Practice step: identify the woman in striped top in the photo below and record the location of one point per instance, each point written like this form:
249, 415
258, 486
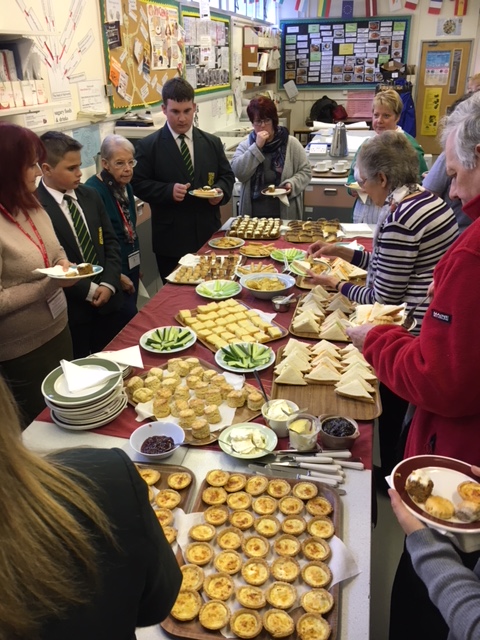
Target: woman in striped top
413, 232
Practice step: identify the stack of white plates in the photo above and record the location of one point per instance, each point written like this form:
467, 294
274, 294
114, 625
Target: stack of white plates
89, 408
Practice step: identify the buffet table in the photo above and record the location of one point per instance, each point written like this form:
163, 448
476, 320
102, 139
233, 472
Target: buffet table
42, 435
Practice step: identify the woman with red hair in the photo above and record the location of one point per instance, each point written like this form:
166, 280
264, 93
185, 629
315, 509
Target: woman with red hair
34, 335
270, 156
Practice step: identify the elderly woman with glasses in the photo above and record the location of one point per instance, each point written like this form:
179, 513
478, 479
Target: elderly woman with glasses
270, 156
112, 183
413, 232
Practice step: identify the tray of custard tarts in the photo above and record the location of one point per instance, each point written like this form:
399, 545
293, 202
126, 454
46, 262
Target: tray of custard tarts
257, 563
170, 487
219, 324
193, 393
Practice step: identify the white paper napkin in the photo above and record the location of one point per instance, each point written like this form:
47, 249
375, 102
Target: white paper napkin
130, 356
78, 378
268, 317
284, 200
57, 270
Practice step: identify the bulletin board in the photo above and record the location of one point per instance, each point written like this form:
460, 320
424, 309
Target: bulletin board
341, 54
207, 51
143, 49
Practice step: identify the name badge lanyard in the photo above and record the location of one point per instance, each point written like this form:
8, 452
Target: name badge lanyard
41, 245
127, 225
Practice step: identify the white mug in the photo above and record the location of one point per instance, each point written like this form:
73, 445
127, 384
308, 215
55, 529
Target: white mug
321, 166
340, 166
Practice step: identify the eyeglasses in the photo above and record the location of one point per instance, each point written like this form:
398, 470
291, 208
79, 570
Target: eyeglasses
259, 123
361, 182
119, 164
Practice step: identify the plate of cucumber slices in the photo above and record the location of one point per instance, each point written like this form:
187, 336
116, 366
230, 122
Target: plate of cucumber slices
218, 289
168, 339
244, 357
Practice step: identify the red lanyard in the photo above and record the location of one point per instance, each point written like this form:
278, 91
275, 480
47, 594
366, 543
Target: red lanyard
41, 245
126, 223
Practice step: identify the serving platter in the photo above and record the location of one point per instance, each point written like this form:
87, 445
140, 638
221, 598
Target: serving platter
226, 243
148, 335
270, 436
166, 470
220, 360
195, 631
195, 269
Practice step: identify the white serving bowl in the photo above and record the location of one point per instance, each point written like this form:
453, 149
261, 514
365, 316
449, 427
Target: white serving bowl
279, 425
288, 281
171, 429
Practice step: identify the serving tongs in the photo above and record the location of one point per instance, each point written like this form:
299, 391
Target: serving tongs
409, 319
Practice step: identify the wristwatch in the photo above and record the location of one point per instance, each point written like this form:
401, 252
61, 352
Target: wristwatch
339, 283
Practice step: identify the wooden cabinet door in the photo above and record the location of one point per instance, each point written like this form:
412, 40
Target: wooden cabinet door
441, 80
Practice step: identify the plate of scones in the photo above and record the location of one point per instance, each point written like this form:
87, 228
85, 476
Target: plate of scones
440, 491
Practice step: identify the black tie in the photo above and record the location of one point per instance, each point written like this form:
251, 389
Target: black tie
84, 239
187, 158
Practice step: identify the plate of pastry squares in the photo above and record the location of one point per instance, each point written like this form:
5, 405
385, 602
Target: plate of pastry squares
74, 272
442, 492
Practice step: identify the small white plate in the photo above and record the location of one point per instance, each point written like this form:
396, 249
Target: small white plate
219, 359
218, 289
204, 195
339, 173
270, 440
148, 334
274, 194
289, 254
97, 269
217, 243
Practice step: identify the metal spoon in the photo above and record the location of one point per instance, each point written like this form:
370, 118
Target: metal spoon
409, 319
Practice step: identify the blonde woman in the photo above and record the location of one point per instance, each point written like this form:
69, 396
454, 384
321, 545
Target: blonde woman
83, 555
386, 111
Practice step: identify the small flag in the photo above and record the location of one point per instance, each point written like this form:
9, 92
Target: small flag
435, 7
370, 8
411, 4
395, 5
321, 8
347, 9
327, 8
461, 7
299, 5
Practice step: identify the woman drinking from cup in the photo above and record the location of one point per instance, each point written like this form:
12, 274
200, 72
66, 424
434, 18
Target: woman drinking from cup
270, 156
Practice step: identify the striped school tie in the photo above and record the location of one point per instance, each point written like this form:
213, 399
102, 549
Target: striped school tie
187, 158
83, 236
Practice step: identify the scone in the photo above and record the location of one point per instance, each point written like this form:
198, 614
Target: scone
312, 626
267, 526
255, 401
187, 605
192, 577
199, 553
161, 408
441, 508
228, 561
200, 429
316, 574
218, 586
317, 601
212, 414
316, 549
255, 571
278, 623
236, 399
152, 382
419, 485
246, 623
321, 527
214, 615
285, 569
186, 418
278, 488
281, 595
294, 525
250, 597
468, 511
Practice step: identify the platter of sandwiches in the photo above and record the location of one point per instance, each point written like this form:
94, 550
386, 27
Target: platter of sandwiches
340, 269
327, 378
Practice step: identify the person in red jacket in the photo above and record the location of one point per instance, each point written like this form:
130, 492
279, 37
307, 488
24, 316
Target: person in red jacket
438, 370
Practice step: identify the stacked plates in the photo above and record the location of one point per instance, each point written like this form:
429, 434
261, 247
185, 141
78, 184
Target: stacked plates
89, 408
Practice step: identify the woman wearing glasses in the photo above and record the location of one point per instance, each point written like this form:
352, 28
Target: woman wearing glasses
270, 156
112, 183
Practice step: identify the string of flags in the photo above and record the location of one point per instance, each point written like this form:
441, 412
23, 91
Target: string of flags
325, 8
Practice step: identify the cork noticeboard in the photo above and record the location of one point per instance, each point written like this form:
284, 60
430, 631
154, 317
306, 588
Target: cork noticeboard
207, 51
143, 49
338, 53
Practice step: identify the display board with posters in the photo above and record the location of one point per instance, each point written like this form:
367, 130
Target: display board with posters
207, 51
143, 47
336, 53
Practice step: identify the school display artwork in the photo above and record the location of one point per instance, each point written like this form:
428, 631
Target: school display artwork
207, 54
143, 44
329, 53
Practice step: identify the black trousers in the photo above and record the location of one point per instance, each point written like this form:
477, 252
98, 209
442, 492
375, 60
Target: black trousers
166, 264
390, 424
94, 335
413, 616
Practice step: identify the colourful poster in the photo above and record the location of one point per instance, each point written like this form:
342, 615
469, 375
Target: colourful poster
431, 111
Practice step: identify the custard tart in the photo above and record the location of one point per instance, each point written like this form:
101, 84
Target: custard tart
316, 574
230, 538
281, 595
228, 561
192, 577
214, 615
312, 626
317, 601
316, 549
241, 519
236, 482
218, 586
199, 553
179, 480
285, 569
278, 623
246, 623
202, 532
321, 527
291, 506
256, 546
264, 505
165, 516
170, 533
214, 495
278, 488
319, 506
150, 476
255, 571
305, 490
286, 545
267, 526
216, 515
251, 597
239, 500
187, 605
217, 477
294, 525
168, 499
256, 485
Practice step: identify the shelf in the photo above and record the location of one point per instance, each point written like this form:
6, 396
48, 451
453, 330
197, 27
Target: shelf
34, 108
5, 34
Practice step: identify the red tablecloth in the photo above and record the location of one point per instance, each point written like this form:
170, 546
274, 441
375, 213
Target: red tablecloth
161, 311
